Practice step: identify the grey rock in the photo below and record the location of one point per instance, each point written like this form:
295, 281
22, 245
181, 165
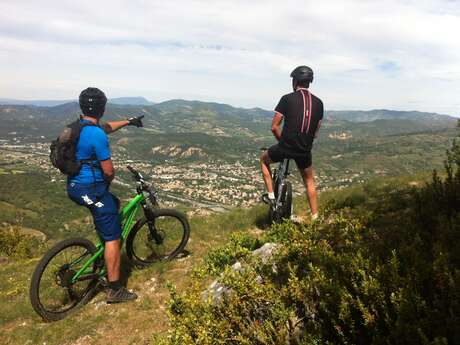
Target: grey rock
216, 291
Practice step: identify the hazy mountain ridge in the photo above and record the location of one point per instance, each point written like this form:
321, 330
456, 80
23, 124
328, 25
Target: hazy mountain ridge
384, 114
209, 117
51, 103
167, 117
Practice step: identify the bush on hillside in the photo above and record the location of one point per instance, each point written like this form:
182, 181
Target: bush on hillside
15, 244
384, 269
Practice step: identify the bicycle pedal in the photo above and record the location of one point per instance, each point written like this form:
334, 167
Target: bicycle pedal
265, 199
104, 282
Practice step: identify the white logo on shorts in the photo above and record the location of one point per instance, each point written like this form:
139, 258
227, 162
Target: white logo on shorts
88, 201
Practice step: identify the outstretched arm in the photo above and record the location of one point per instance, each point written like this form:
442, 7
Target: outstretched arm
112, 126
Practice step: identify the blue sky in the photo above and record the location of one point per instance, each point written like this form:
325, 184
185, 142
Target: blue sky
366, 54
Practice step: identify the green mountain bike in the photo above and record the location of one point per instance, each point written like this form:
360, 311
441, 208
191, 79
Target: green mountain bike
68, 275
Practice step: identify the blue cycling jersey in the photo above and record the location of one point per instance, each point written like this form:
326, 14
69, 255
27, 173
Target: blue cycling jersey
93, 142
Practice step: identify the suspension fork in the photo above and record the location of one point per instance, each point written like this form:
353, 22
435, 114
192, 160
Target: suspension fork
150, 216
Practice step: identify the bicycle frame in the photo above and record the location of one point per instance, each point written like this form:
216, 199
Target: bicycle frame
127, 217
283, 169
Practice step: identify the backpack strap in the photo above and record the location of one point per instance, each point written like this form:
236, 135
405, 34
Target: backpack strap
93, 157
89, 161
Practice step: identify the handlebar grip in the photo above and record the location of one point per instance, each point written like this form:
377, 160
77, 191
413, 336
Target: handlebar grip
137, 174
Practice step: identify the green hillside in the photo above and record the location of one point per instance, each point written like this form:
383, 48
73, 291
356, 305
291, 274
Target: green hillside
141, 320
384, 256
380, 267
181, 116
221, 132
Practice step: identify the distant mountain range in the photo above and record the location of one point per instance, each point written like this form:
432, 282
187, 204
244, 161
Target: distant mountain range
384, 114
52, 103
178, 104
213, 119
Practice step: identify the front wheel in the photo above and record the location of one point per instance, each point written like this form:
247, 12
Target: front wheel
53, 293
159, 239
284, 204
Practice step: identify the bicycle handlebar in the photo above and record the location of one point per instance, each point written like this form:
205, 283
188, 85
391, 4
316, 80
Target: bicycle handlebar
144, 186
137, 174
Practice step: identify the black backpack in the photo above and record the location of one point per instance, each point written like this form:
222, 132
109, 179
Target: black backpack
63, 150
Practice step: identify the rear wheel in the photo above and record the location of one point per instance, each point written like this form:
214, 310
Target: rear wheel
286, 208
162, 238
52, 293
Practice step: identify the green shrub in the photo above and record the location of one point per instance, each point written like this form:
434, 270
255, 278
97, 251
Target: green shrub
217, 259
17, 245
383, 267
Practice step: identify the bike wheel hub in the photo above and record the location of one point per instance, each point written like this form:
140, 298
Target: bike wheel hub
64, 277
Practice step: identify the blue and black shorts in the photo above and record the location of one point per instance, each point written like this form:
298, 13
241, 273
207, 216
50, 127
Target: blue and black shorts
103, 206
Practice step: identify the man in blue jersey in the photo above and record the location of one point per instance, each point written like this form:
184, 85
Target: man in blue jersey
301, 112
90, 187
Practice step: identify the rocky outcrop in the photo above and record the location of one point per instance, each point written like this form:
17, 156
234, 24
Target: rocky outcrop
217, 291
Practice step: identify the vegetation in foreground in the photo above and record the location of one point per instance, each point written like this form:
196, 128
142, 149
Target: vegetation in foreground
98, 322
382, 267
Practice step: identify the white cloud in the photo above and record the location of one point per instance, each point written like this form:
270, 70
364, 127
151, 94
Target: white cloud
366, 54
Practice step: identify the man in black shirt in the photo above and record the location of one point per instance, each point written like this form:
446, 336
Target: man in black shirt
302, 113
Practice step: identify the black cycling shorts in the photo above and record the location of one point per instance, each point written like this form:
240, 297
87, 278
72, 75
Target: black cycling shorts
278, 153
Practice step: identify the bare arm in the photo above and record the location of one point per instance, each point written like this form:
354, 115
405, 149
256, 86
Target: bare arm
276, 125
112, 126
317, 129
108, 170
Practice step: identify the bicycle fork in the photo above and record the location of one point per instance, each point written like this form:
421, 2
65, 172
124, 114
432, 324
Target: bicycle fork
153, 233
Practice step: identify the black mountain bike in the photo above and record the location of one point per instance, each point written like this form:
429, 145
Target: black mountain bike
282, 209
69, 273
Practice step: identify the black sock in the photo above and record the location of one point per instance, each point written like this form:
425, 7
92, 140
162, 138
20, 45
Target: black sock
115, 285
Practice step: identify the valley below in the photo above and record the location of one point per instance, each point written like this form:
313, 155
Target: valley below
205, 156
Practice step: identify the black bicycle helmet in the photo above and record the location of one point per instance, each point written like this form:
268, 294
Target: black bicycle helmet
92, 102
302, 73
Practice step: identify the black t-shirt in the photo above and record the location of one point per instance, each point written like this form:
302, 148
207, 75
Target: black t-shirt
302, 111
